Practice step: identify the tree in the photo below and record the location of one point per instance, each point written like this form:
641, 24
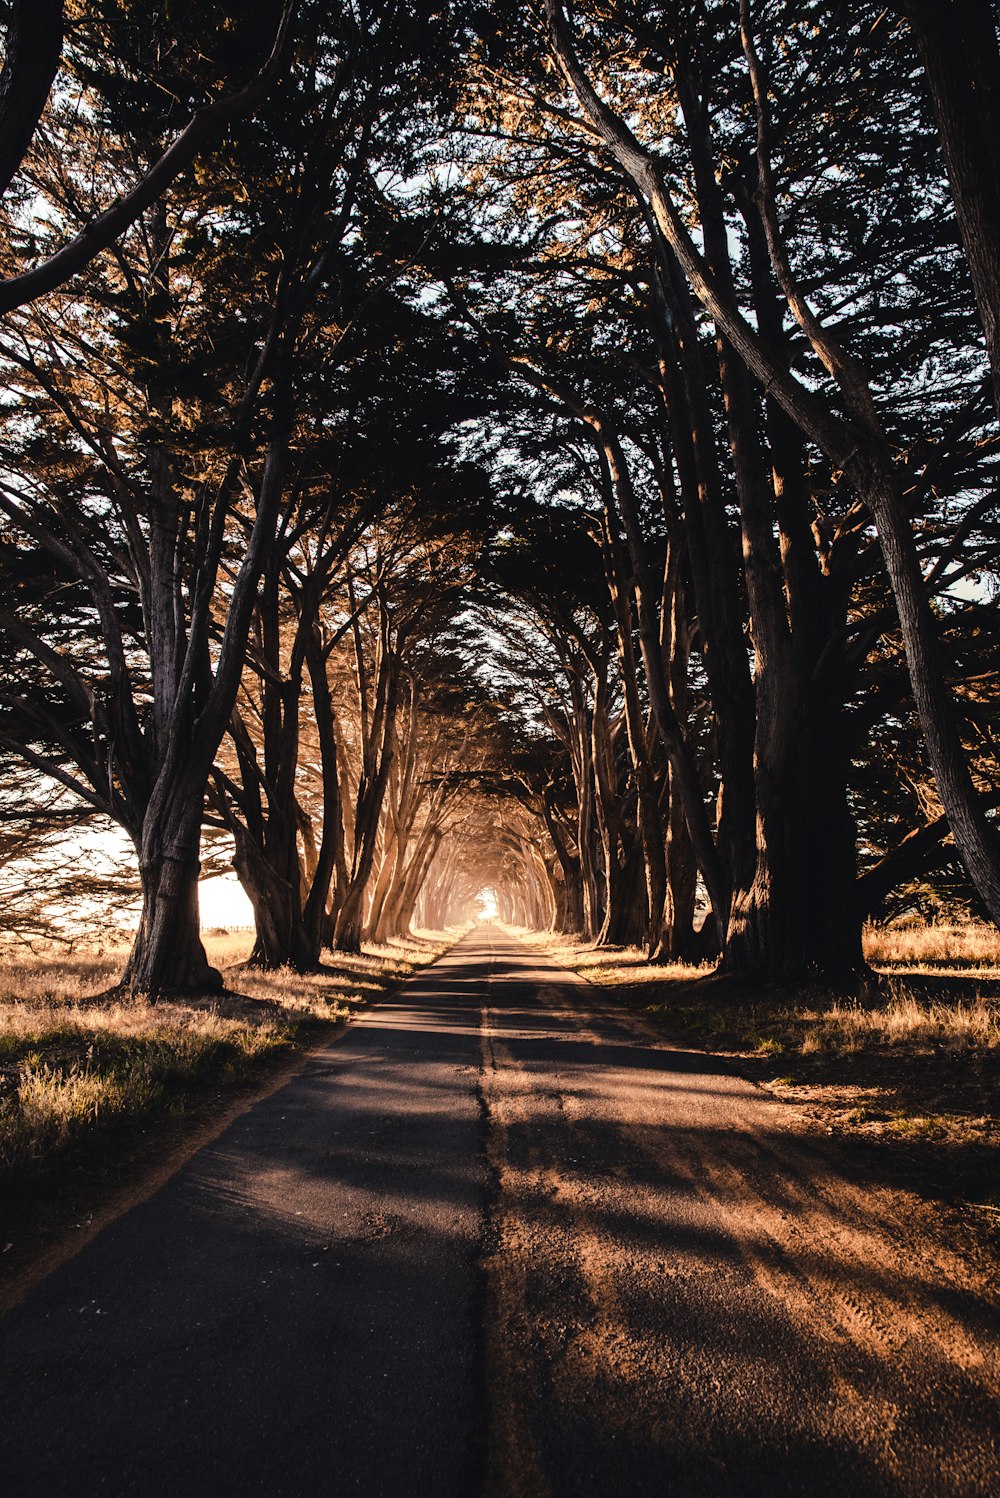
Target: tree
34, 46
173, 456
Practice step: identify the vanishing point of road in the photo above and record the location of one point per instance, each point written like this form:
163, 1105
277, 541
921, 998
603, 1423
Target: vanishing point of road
498, 1238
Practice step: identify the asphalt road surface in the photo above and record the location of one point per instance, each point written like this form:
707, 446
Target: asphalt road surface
500, 1239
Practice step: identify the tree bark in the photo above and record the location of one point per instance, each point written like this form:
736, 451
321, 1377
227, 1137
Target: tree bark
281, 937
167, 955
377, 733
34, 46
957, 40
658, 936
331, 860
857, 446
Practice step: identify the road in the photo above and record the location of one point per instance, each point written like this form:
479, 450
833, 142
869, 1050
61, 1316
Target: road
500, 1239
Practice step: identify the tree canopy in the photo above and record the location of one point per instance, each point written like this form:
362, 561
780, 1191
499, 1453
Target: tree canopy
542, 451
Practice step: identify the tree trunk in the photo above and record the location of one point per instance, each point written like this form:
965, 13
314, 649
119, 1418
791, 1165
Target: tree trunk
800, 914
281, 936
712, 552
377, 733
685, 944
350, 917
167, 955
978, 841
585, 831
658, 935
33, 45
568, 893
958, 46
330, 856
401, 911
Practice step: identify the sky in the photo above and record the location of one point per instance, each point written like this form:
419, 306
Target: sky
223, 902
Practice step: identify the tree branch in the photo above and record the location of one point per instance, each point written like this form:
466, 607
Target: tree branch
204, 127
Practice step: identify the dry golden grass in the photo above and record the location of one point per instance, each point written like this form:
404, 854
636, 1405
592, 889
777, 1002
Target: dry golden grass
913, 1059
72, 1064
960, 945
905, 1021
613, 966
69, 1067
810, 1023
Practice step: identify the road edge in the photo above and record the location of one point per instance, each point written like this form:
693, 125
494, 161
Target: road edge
151, 1178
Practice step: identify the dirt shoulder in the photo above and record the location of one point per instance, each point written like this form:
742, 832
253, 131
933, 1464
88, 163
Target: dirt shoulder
694, 1290
904, 1075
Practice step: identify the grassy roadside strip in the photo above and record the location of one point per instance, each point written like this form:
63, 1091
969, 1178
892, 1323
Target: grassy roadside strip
908, 1070
92, 1092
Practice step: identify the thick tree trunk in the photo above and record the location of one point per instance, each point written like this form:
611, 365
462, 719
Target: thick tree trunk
281, 936
167, 955
626, 921
685, 944
800, 913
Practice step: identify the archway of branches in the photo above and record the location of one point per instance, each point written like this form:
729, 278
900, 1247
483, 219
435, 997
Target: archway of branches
528, 472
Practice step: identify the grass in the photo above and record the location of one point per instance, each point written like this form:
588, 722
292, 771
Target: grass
889, 1016
73, 1068
905, 1022
926, 946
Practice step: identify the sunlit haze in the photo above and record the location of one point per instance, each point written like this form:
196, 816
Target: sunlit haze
223, 902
